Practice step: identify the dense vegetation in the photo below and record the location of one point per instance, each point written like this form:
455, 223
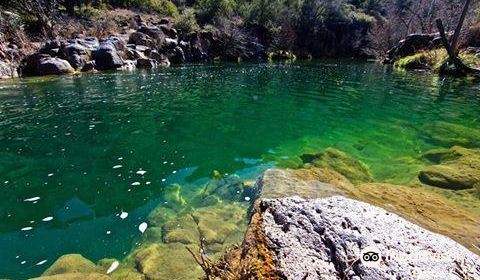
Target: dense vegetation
317, 27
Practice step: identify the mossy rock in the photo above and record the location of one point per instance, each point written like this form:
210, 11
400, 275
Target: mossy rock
160, 215
458, 168
448, 134
123, 272
183, 230
353, 169
75, 276
72, 263
217, 223
172, 197
167, 261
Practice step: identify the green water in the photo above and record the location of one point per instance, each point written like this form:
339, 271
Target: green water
60, 139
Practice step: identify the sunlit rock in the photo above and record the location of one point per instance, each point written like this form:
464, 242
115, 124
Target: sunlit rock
122, 272
353, 169
167, 261
73, 263
217, 223
305, 183
183, 229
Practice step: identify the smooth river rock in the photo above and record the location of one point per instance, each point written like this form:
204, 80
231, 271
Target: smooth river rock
323, 239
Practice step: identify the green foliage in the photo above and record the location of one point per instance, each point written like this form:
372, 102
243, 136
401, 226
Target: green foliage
164, 7
214, 10
186, 21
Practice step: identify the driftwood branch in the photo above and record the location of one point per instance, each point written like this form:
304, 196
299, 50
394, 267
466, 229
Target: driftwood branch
458, 30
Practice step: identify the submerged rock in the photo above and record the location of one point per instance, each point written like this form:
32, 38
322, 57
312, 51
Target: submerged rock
459, 168
75, 276
353, 169
167, 261
275, 183
449, 134
309, 238
73, 263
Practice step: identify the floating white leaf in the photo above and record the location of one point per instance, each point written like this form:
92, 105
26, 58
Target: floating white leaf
32, 199
142, 227
41, 262
141, 172
47, 219
117, 166
123, 215
112, 267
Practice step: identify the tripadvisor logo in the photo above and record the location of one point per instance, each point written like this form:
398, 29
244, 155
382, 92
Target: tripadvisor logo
370, 256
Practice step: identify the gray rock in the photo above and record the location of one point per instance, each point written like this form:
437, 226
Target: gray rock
53, 66
139, 38
107, 57
89, 66
323, 239
146, 63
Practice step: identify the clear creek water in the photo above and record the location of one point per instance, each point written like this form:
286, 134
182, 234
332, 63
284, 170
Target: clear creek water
71, 148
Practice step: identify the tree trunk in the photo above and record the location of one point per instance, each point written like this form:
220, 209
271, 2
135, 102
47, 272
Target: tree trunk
460, 67
456, 35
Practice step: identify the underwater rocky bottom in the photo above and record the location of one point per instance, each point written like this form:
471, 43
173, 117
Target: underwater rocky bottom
182, 240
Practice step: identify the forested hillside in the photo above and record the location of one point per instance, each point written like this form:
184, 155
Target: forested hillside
317, 27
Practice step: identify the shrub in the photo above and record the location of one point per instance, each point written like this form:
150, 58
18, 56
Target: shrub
214, 10
186, 21
164, 7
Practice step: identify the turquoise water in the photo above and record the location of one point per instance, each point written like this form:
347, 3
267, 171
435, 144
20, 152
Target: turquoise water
71, 147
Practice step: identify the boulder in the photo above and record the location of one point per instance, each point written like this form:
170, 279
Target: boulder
77, 55
91, 43
353, 169
169, 31
73, 263
458, 168
412, 44
107, 57
161, 59
153, 31
309, 238
88, 66
139, 38
53, 66
146, 63
176, 56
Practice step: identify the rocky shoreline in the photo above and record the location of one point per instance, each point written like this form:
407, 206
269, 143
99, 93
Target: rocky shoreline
151, 45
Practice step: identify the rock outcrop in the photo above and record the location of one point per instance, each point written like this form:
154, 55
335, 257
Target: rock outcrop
321, 235
323, 238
